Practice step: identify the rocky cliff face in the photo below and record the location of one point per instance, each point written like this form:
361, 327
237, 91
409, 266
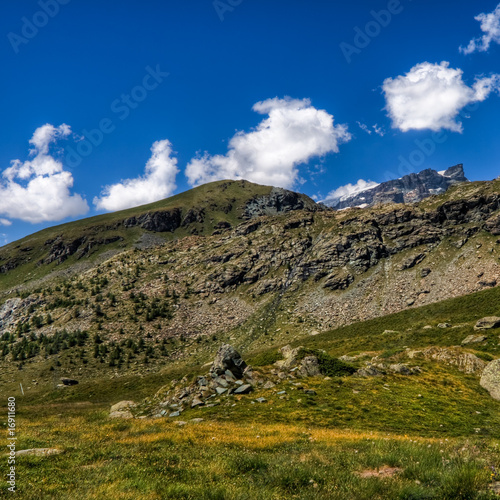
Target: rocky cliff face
214, 207
409, 189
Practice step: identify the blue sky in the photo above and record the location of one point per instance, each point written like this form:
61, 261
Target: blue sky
112, 104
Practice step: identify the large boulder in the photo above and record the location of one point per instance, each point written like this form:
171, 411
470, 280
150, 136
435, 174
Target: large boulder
490, 379
465, 361
228, 358
289, 357
488, 323
473, 339
309, 367
122, 410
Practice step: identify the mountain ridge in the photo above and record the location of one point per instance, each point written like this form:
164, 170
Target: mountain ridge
410, 188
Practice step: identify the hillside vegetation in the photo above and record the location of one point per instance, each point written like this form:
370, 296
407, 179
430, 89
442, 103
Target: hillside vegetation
393, 291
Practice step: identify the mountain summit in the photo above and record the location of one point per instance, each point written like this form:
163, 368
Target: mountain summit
407, 189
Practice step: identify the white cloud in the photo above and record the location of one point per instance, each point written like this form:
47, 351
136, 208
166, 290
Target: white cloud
378, 130
39, 189
157, 183
293, 133
364, 127
430, 96
348, 190
5, 222
490, 26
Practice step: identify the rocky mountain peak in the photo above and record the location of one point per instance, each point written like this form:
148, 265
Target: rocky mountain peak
408, 189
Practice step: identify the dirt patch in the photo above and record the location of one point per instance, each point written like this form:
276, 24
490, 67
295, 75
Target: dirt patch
384, 471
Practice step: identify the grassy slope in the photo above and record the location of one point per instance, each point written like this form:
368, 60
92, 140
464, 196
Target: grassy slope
440, 428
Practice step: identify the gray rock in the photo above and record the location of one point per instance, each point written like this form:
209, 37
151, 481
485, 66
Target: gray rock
289, 357
310, 392
228, 358
490, 379
368, 371
401, 369
309, 367
122, 410
465, 361
281, 392
269, 385
196, 402
221, 382
243, 389
261, 400
472, 339
229, 375
444, 325
196, 420
488, 323
39, 452
221, 390
175, 414
202, 381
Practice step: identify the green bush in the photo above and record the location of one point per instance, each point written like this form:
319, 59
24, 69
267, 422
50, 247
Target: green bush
485, 356
328, 365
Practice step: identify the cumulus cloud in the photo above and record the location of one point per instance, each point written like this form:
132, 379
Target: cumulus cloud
348, 190
490, 26
430, 96
292, 134
39, 189
158, 182
5, 222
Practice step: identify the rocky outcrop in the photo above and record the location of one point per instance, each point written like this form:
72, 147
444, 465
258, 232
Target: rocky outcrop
409, 189
473, 339
60, 250
123, 409
465, 361
309, 367
16, 309
374, 369
289, 357
488, 323
490, 379
159, 221
228, 375
278, 201
228, 359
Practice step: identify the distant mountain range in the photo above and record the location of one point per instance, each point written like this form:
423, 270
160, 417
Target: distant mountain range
410, 188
